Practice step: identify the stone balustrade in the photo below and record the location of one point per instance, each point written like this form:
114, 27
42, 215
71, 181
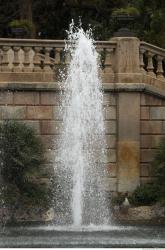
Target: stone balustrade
152, 60
42, 57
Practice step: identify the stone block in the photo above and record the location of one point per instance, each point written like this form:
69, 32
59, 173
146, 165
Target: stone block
111, 169
57, 113
110, 156
51, 141
157, 113
150, 100
145, 170
110, 127
50, 98
109, 99
151, 127
6, 97
129, 116
110, 113
49, 156
39, 112
151, 141
50, 127
145, 114
145, 180
110, 184
35, 125
128, 165
147, 155
26, 98
12, 112
111, 141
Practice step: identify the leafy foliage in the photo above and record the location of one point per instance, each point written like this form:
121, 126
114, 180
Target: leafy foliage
150, 193
21, 158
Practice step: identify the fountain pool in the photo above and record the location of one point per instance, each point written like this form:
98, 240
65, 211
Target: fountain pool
107, 236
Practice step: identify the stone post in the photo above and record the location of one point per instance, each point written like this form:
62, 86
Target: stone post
128, 141
128, 72
126, 64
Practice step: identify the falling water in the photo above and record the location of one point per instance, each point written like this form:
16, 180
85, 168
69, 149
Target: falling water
82, 143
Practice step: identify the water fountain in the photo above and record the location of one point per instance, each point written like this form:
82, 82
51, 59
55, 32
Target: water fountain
81, 149
84, 219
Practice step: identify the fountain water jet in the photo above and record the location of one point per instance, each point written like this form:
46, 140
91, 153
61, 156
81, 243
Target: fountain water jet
81, 152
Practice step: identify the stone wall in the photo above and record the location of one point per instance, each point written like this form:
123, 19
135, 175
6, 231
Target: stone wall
134, 125
152, 126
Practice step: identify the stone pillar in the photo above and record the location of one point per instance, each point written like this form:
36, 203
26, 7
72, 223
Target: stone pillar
126, 64
128, 141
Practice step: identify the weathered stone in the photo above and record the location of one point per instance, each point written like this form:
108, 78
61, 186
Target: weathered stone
145, 180
12, 112
129, 169
6, 97
57, 113
50, 98
50, 127
111, 141
110, 113
35, 125
151, 127
141, 213
110, 156
145, 169
110, 127
111, 169
151, 141
129, 116
110, 184
145, 115
26, 98
147, 155
157, 113
150, 100
51, 141
39, 112
109, 99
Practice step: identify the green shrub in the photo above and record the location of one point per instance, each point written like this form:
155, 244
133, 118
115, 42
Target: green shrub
150, 193
21, 157
144, 195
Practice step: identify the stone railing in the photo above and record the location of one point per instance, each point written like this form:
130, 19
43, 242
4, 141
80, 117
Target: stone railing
152, 60
30, 60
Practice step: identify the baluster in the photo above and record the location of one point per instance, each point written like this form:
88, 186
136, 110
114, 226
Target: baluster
47, 61
5, 59
26, 63
16, 61
58, 56
159, 72
67, 58
108, 63
99, 59
37, 59
142, 51
150, 67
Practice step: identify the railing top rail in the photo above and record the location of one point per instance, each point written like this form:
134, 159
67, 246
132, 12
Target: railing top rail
48, 43
152, 48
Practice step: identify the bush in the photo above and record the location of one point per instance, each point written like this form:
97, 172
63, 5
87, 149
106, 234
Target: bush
21, 156
144, 195
150, 193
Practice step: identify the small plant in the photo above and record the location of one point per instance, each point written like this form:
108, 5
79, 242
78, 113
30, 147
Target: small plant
128, 11
21, 157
